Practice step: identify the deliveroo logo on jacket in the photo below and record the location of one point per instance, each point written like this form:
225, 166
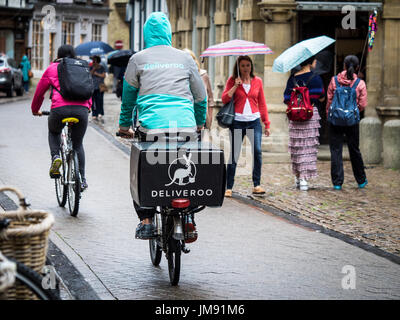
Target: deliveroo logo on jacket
151, 66
182, 175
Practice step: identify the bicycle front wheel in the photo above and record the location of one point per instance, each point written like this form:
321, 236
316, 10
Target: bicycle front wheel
28, 286
74, 184
61, 185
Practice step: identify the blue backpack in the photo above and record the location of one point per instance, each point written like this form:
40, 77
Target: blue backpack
344, 110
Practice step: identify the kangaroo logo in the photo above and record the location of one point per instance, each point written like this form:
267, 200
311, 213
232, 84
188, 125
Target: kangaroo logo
182, 176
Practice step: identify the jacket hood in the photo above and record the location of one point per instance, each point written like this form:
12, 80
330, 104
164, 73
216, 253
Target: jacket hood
342, 78
157, 30
24, 58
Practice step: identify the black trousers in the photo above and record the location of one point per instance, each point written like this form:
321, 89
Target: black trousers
77, 134
337, 136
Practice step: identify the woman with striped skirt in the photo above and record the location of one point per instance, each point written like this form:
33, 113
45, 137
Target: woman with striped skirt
303, 136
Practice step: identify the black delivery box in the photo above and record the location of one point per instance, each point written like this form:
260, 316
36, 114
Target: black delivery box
161, 172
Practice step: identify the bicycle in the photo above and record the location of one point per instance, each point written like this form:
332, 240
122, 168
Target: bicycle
21, 279
68, 183
168, 223
171, 224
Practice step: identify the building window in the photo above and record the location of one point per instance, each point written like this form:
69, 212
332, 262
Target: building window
37, 45
52, 47
67, 35
96, 32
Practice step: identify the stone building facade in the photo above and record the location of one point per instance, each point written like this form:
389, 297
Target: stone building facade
197, 24
59, 22
118, 27
14, 25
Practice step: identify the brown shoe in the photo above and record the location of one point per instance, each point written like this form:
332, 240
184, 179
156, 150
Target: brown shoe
228, 193
258, 190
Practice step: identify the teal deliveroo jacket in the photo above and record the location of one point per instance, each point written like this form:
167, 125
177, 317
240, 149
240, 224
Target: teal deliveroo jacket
162, 82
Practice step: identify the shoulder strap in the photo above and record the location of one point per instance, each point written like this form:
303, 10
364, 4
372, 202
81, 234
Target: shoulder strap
310, 78
356, 83
337, 82
295, 82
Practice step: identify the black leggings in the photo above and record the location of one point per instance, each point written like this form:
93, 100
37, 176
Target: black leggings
78, 131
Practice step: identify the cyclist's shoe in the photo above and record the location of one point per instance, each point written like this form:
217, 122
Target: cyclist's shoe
55, 167
190, 231
145, 231
84, 185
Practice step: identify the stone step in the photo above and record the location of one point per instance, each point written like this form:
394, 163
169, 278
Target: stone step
324, 154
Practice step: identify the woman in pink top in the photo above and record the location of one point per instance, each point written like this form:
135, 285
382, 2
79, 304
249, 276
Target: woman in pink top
60, 109
338, 133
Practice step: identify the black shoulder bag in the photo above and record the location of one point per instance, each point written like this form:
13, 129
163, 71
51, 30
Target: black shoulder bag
226, 115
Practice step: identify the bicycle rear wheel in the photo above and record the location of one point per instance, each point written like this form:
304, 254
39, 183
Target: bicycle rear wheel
61, 186
155, 249
74, 184
173, 255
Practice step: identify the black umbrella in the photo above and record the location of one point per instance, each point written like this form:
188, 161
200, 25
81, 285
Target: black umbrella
120, 58
324, 62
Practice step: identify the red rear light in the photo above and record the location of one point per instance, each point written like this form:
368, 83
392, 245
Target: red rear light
5, 70
180, 203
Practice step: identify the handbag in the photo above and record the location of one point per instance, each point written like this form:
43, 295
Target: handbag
103, 87
30, 74
226, 115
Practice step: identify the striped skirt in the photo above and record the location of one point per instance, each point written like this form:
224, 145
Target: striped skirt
303, 146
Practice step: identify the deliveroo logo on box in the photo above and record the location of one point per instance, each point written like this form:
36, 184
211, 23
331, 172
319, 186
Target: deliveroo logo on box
182, 175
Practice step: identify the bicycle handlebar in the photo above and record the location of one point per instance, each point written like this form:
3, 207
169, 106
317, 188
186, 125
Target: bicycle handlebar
122, 135
45, 113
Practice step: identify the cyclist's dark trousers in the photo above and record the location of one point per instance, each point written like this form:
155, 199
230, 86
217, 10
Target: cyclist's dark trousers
337, 134
142, 212
77, 134
98, 103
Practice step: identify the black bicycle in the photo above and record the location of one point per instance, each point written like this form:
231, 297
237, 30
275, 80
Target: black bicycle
68, 183
174, 225
171, 225
28, 283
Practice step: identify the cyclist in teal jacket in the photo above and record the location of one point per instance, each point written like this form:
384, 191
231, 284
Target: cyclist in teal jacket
164, 85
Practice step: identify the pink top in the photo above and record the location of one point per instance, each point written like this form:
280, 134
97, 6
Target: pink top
361, 90
50, 78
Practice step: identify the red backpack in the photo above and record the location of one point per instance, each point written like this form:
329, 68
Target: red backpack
299, 106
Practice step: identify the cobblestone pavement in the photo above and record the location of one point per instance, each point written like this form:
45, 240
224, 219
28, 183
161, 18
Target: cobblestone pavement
370, 215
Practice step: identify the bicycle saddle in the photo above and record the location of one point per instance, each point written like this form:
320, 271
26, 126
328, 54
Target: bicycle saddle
70, 120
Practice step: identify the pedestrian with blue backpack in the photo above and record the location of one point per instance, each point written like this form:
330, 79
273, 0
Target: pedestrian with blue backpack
347, 97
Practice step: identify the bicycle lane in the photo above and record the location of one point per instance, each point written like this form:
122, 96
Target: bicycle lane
242, 252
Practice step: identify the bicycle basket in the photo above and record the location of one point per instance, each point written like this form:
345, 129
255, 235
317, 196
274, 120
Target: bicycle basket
25, 240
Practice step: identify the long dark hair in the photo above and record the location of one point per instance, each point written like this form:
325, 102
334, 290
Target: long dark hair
66, 51
235, 67
351, 64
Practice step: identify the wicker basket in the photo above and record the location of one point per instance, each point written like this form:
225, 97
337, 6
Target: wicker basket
25, 240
